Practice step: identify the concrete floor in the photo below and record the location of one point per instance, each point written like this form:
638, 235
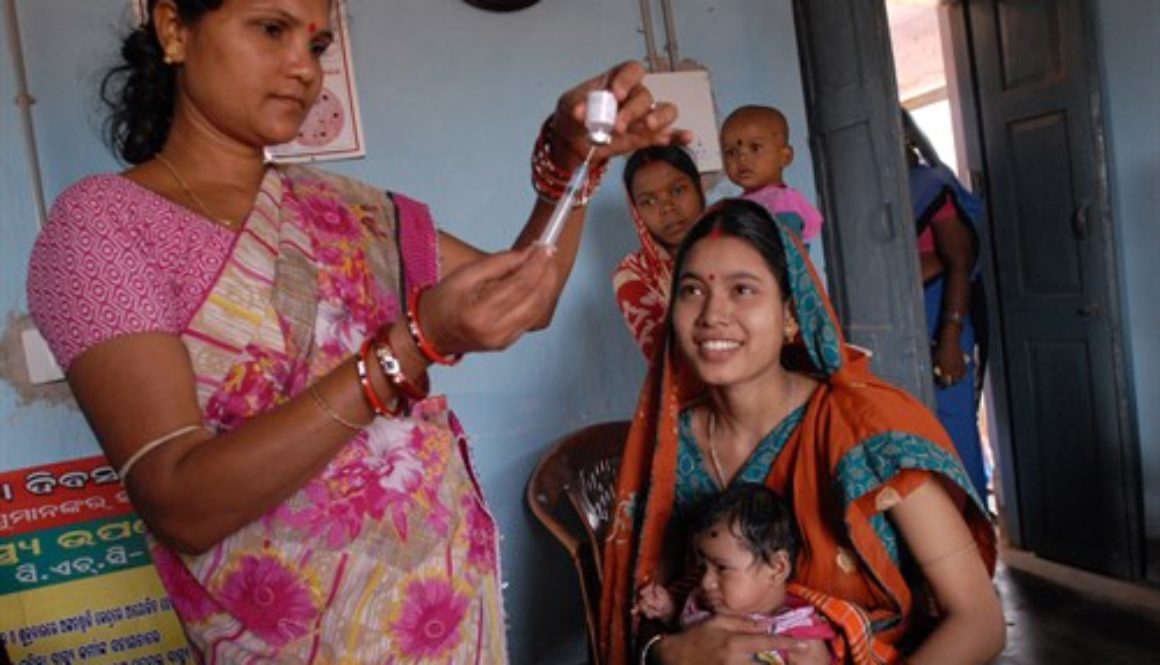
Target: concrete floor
1049, 623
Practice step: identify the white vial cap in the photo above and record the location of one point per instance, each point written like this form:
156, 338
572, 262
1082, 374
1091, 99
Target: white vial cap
601, 116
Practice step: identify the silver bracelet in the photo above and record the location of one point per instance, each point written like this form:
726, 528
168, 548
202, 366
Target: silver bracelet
652, 642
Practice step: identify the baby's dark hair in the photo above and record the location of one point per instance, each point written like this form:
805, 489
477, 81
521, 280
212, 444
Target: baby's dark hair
757, 516
142, 89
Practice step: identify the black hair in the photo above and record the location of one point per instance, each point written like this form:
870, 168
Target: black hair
140, 91
757, 516
673, 155
758, 109
916, 144
744, 219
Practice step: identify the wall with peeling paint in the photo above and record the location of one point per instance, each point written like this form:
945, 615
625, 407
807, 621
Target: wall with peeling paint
451, 99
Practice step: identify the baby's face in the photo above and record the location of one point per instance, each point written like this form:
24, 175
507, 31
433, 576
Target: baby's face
756, 151
735, 581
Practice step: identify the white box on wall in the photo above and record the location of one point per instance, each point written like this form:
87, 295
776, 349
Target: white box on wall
692, 93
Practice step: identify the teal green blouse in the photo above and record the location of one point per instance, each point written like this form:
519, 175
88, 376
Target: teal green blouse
695, 479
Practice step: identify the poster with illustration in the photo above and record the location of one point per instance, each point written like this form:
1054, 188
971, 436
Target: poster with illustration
333, 127
77, 583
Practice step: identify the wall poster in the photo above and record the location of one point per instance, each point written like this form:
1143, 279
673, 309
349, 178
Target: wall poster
77, 583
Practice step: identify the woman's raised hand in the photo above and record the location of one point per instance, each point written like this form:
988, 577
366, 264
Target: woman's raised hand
487, 304
640, 121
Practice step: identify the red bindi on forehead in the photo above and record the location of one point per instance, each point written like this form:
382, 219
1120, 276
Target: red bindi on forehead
712, 276
311, 28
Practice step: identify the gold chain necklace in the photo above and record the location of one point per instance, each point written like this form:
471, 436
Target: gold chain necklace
711, 428
209, 214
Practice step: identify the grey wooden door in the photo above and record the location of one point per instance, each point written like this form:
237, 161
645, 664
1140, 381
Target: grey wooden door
855, 138
1038, 102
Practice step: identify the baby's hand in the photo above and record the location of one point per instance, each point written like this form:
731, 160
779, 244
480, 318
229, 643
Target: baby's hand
655, 602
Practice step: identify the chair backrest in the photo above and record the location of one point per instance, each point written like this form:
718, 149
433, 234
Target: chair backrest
571, 492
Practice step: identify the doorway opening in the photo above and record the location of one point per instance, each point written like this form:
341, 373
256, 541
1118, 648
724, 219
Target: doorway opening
922, 47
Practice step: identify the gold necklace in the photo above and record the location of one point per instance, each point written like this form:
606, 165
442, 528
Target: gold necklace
711, 427
209, 214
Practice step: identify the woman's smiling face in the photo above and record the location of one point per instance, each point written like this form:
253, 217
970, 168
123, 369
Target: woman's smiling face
729, 312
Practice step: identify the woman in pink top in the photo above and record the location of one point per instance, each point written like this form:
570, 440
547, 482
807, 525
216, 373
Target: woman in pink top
250, 344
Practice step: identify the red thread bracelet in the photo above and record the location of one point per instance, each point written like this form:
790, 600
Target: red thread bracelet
372, 397
549, 180
416, 329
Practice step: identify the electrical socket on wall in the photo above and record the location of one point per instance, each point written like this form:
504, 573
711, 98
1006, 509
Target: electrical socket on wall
42, 367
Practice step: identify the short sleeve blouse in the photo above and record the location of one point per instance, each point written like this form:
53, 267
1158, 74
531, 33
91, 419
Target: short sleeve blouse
115, 259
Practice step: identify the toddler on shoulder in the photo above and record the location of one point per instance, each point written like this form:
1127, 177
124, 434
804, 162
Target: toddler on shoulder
756, 150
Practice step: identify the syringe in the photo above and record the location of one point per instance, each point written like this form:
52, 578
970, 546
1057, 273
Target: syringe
599, 119
564, 205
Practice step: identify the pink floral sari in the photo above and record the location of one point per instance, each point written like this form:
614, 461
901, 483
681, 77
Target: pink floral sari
390, 554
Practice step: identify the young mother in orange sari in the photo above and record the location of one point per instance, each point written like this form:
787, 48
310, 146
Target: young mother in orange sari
250, 344
757, 385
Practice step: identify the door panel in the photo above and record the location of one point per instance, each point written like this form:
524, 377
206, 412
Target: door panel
1038, 24
1053, 254
1048, 256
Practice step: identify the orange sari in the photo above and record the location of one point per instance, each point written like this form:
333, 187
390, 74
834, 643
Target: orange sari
861, 447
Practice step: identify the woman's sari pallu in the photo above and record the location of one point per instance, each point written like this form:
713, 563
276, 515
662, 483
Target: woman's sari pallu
641, 285
860, 448
389, 554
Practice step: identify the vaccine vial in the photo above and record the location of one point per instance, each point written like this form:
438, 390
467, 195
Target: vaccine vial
601, 116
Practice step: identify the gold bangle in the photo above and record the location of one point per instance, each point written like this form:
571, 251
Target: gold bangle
144, 450
332, 414
652, 642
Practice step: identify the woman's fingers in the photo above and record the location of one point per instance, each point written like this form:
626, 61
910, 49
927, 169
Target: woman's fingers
950, 364
732, 639
489, 303
520, 300
733, 623
640, 120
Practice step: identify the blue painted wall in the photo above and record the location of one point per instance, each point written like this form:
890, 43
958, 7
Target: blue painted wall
451, 99
1128, 33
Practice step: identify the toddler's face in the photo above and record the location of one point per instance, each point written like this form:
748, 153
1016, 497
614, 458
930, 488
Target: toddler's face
736, 581
668, 202
755, 151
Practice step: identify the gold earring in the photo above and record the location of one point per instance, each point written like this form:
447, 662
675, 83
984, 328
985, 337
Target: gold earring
791, 329
171, 56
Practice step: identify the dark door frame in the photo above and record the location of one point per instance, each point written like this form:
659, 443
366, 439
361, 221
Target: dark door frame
1011, 516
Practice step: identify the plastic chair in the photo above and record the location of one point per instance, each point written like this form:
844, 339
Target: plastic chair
571, 492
